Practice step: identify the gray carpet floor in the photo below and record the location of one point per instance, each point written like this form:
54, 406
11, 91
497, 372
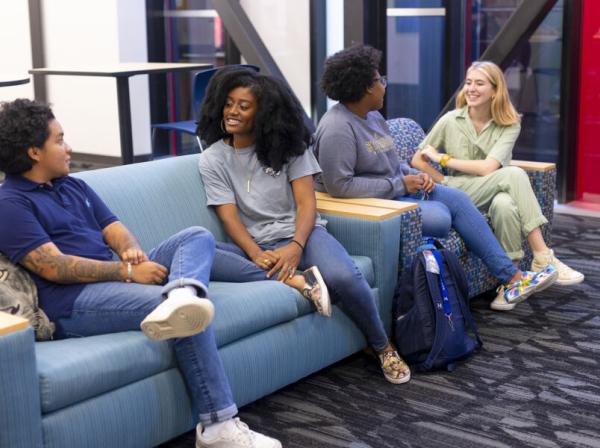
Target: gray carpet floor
535, 383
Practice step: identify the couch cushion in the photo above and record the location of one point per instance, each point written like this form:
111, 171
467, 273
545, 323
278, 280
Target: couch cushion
73, 370
242, 309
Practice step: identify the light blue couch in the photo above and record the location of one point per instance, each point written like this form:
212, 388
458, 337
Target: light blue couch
123, 390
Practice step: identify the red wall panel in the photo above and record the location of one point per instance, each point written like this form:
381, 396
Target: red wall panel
588, 152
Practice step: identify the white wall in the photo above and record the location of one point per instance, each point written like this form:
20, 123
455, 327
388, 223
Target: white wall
284, 27
335, 31
15, 49
92, 33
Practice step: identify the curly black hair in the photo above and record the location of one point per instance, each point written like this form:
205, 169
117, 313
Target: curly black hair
350, 72
23, 124
279, 121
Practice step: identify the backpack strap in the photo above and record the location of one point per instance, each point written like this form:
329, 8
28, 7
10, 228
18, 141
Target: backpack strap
437, 346
426, 246
466, 312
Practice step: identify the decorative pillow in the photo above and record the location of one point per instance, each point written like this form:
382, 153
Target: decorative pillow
18, 296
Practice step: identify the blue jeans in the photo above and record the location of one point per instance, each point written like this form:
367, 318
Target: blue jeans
112, 307
448, 207
344, 280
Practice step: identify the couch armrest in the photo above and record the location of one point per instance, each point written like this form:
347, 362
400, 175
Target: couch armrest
528, 165
394, 207
373, 231
20, 408
410, 222
10, 323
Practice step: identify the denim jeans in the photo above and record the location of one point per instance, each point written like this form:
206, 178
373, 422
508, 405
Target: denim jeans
112, 307
447, 207
344, 280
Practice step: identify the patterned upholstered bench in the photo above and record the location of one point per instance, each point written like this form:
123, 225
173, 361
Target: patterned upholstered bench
407, 135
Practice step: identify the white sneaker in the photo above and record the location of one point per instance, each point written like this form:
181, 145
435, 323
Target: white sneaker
566, 275
529, 283
235, 434
316, 291
180, 315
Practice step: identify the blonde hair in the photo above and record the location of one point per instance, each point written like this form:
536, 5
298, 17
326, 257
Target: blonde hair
503, 111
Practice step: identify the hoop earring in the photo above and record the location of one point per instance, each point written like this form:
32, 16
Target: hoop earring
222, 124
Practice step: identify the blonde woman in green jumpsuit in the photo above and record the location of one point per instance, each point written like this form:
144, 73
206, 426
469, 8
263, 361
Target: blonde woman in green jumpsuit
478, 139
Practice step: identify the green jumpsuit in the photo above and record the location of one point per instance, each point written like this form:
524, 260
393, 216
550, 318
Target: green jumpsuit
506, 194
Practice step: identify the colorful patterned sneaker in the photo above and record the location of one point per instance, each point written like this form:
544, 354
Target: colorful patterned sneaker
529, 283
394, 368
316, 291
233, 433
566, 275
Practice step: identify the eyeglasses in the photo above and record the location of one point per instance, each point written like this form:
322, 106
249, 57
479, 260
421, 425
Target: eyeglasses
382, 80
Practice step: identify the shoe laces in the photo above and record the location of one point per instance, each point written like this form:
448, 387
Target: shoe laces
242, 434
520, 284
551, 259
559, 265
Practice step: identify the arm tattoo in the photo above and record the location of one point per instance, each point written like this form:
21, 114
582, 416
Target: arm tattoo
49, 263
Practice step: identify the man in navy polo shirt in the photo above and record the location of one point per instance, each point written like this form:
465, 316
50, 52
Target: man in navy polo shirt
63, 234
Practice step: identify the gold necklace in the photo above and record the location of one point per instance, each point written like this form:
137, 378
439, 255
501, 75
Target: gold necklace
250, 174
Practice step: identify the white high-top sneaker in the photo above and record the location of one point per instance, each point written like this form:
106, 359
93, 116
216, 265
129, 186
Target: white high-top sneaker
181, 314
566, 275
234, 433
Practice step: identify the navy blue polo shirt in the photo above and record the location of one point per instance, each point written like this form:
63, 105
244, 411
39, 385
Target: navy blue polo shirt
67, 213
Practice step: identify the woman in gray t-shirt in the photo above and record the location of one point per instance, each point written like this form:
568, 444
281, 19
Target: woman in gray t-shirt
258, 175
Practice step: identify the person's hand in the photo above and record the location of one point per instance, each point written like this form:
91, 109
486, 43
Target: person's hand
413, 182
148, 273
428, 182
430, 153
134, 256
265, 259
289, 258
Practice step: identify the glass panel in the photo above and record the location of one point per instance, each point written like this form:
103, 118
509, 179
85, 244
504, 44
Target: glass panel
197, 32
415, 59
533, 75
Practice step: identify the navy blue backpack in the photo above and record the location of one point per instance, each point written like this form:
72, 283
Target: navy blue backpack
431, 312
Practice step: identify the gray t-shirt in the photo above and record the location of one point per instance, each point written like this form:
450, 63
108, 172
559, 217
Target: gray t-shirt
268, 210
358, 157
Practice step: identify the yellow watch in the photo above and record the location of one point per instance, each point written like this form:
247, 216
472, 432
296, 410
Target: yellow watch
444, 160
